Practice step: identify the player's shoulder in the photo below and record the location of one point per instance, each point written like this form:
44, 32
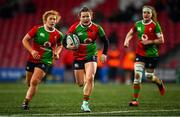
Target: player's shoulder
139, 22
95, 24
155, 23
35, 28
58, 32
38, 26
74, 25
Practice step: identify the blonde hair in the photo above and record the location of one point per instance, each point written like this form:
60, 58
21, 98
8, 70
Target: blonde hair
51, 12
154, 14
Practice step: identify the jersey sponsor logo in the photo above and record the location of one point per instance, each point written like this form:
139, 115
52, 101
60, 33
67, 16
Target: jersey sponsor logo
150, 29
47, 44
80, 33
137, 59
139, 28
94, 58
144, 37
42, 34
27, 68
76, 65
88, 40
150, 65
42, 66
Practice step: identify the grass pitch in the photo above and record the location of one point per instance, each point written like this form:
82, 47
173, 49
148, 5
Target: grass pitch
106, 100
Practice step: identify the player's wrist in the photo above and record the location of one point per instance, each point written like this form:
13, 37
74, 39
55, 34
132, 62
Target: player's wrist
32, 52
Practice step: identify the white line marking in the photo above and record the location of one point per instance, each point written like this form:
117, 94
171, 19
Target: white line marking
99, 113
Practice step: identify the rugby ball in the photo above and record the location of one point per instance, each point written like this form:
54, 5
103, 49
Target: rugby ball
72, 41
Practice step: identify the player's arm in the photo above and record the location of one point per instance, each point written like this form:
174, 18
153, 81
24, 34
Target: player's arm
106, 44
64, 42
27, 45
57, 51
129, 36
158, 31
159, 40
59, 47
105, 41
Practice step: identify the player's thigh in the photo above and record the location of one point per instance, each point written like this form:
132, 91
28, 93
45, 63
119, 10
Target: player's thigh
28, 76
79, 75
37, 75
90, 68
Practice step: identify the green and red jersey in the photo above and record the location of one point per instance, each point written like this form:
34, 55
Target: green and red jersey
150, 31
87, 37
45, 43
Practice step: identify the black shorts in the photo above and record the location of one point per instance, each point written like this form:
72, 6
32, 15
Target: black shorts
30, 66
79, 64
150, 62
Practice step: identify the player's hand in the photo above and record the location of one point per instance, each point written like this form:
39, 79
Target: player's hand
35, 54
71, 47
56, 56
146, 42
126, 44
103, 58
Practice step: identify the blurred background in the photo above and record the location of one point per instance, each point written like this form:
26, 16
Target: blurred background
115, 16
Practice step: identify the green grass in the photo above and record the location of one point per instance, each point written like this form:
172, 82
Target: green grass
106, 100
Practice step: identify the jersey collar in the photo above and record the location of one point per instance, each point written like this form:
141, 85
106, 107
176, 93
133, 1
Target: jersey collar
146, 23
85, 26
48, 30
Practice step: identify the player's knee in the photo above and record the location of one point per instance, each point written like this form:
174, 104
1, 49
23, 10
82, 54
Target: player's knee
138, 73
80, 84
34, 82
149, 75
89, 80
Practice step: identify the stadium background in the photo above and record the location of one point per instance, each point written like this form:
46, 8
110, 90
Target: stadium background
59, 96
115, 16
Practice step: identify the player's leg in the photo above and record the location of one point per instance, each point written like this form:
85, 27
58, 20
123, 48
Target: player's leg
28, 77
36, 79
138, 73
37, 76
79, 72
90, 68
29, 72
149, 73
151, 64
79, 76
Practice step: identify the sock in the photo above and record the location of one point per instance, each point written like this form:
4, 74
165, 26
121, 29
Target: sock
85, 97
26, 101
136, 88
157, 81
